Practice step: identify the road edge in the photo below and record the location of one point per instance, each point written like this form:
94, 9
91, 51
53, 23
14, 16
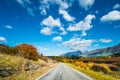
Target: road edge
85, 75
46, 72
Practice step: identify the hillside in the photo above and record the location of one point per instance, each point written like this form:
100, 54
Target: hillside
103, 52
74, 53
115, 50
22, 62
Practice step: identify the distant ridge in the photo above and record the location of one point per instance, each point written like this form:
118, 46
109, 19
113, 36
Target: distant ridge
95, 53
103, 52
74, 53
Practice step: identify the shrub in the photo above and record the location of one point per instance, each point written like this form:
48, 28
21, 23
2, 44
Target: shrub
101, 68
4, 49
90, 65
114, 67
80, 64
27, 51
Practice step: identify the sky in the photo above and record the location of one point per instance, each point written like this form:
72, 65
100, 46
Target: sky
58, 26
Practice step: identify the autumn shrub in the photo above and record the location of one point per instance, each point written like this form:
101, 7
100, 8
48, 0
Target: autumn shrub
113, 67
71, 61
28, 51
101, 68
64, 60
80, 64
4, 49
90, 65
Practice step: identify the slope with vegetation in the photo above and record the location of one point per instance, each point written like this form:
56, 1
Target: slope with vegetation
22, 62
109, 51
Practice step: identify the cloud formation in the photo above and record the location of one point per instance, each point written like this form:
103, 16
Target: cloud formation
57, 38
86, 4
49, 24
77, 44
45, 4
83, 25
105, 40
2, 39
46, 31
50, 21
66, 16
111, 16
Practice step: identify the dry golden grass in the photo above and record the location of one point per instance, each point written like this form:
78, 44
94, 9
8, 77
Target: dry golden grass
95, 75
18, 63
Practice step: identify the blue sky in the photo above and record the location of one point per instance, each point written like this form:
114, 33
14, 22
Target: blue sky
59, 26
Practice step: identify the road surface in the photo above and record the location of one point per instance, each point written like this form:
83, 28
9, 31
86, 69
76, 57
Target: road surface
64, 72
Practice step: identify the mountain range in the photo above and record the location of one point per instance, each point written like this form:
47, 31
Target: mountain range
74, 53
95, 53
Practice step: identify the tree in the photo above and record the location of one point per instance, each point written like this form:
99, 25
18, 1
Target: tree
8, 50
27, 51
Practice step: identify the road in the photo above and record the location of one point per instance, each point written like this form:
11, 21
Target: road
64, 72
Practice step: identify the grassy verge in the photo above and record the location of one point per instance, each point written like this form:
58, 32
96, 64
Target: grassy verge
95, 75
40, 72
16, 65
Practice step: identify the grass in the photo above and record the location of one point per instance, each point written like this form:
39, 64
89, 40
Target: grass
18, 63
115, 74
95, 75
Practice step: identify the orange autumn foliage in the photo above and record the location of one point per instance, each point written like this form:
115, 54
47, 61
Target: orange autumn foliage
27, 51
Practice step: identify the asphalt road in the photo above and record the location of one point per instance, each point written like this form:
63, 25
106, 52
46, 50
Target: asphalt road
64, 72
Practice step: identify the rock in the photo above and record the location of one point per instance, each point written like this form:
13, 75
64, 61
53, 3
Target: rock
6, 71
30, 66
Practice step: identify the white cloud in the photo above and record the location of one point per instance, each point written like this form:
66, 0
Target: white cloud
45, 4
50, 23
63, 31
116, 6
63, 4
86, 4
2, 39
82, 25
42, 49
83, 33
57, 38
43, 11
111, 16
46, 31
77, 44
65, 14
8, 27
105, 40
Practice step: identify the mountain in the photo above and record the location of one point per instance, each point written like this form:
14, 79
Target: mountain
113, 51
74, 53
103, 52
